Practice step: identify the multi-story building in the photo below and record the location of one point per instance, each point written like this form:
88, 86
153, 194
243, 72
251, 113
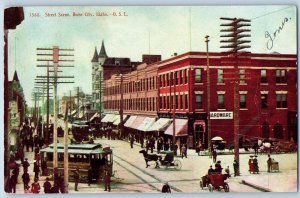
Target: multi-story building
178, 86
267, 95
103, 67
139, 90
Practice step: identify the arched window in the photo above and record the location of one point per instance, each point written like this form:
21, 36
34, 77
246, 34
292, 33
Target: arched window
265, 130
278, 131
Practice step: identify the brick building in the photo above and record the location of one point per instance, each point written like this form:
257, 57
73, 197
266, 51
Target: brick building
267, 89
139, 89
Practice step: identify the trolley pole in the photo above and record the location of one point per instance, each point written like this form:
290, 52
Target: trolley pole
208, 98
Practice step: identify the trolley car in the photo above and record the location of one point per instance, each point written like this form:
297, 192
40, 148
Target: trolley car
83, 157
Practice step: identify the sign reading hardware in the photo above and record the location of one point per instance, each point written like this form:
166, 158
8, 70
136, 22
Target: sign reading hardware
221, 115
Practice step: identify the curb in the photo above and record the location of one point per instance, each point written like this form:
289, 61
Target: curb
256, 186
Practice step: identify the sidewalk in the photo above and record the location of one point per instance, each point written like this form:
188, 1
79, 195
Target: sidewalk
273, 182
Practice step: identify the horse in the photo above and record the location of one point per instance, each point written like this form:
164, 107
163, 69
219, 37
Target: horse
150, 157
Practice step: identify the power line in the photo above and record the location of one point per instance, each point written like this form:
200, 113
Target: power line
270, 13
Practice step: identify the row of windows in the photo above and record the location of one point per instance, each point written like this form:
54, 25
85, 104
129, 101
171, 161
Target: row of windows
139, 104
145, 84
281, 101
181, 77
167, 102
280, 76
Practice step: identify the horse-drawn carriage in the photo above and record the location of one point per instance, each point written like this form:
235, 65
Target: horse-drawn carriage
215, 181
167, 160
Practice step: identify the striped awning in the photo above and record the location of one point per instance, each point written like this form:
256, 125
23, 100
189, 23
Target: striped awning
129, 122
181, 128
160, 125
146, 124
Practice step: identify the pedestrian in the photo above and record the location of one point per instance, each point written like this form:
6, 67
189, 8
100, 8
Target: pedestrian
44, 167
255, 163
131, 141
13, 183
236, 168
214, 155
25, 165
175, 149
218, 167
26, 179
183, 151
210, 170
35, 187
47, 186
36, 170
269, 163
255, 147
76, 178
142, 141
166, 188
107, 181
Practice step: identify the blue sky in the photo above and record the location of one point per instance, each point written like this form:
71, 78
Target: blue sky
169, 29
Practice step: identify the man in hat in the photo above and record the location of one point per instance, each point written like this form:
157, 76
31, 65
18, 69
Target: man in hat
236, 167
210, 170
36, 170
107, 181
25, 165
76, 178
218, 167
214, 155
26, 179
255, 163
166, 188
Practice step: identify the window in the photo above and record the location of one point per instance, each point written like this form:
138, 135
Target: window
263, 76
176, 102
167, 80
243, 104
184, 77
264, 101
220, 76
181, 77
198, 77
242, 76
181, 101
176, 77
281, 101
199, 102
281, 76
186, 101
221, 101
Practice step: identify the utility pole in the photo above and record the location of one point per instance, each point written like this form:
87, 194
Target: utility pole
208, 98
55, 56
236, 44
121, 106
66, 155
174, 120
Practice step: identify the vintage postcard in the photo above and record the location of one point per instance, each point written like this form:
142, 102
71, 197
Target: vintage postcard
150, 99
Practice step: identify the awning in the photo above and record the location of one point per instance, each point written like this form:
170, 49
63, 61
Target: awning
109, 118
146, 124
160, 124
137, 122
129, 122
118, 120
181, 128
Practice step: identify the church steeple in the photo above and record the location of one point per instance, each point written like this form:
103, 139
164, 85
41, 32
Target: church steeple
102, 53
95, 57
16, 78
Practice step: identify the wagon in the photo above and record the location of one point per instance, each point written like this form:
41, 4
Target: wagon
274, 166
217, 181
168, 160
204, 181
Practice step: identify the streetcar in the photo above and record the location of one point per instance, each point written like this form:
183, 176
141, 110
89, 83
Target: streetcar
85, 157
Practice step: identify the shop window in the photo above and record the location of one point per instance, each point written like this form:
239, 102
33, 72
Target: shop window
220, 76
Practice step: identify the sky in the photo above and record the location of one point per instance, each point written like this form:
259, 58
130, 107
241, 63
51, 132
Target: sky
167, 30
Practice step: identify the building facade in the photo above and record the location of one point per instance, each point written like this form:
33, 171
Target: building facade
267, 95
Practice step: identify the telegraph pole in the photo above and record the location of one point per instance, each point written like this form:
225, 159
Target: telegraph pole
208, 98
236, 44
121, 106
54, 55
66, 155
